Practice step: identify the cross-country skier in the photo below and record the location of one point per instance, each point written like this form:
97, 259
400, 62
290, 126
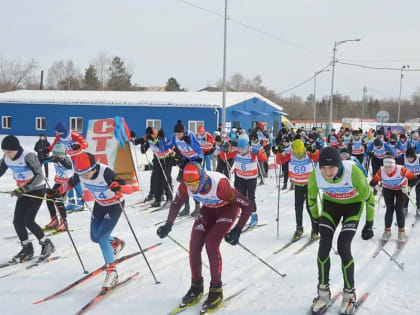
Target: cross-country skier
301, 161
27, 172
206, 141
412, 163
345, 190
187, 145
333, 139
221, 203
394, 181
107, 189
63, 172
246, 172
357, 146
345, 156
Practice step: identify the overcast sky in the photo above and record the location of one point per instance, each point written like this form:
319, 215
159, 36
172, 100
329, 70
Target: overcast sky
164, 38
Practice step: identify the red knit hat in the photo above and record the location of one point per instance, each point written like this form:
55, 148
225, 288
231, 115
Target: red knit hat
84, 162
192, 173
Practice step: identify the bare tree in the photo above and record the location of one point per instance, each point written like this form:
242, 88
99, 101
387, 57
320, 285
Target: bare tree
64, 76
14, 73
102, 63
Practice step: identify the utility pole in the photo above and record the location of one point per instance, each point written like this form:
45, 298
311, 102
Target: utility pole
224, 70
399, 97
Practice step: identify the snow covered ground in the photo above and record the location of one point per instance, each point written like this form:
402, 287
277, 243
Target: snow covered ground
392, 291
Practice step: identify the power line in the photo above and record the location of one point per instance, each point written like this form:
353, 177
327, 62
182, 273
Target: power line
374, 68
254, 29
380, 60
306, 81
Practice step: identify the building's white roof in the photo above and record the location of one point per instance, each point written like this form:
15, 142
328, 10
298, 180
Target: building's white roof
124, 98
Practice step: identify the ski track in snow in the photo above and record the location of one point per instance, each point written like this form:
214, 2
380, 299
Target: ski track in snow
392, 291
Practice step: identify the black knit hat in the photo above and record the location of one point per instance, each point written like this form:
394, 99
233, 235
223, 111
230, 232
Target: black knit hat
10, 143
410, 152
179, 127
329, 156
377, 142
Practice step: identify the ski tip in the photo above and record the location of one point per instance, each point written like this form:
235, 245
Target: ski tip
364, 296
335, 297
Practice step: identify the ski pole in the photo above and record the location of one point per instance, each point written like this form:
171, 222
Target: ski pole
263, 261
184, 248
164, 174
137, 241
400, 265
278, 208
68, 231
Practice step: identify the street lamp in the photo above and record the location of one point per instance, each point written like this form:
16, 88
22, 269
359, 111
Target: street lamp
314, 100
399, 97
336, 44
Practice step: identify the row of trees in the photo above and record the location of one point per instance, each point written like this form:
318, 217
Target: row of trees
105, 73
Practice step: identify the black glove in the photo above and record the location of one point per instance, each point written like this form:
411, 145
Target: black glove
75, 146
233, 236
280, 148
133, 135
371, 153
186, 139
367, 231
115, 186
18, 192
161, 134
309, 148
164, 230
315, 225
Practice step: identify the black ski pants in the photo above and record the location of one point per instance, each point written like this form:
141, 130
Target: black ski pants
159, 182
394, 201
376, 164
301, 197
57, 204
285, 170
247, 188
223, 166
25, 212
331, 215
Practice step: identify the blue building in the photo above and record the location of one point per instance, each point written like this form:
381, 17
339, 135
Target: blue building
31, 112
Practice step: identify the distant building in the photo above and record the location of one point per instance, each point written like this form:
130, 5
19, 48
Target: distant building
31, 112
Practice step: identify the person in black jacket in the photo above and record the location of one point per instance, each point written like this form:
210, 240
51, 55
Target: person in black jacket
40, 148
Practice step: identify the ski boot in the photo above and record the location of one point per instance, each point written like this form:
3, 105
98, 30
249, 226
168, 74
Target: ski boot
387, 235
214, 299
402, 236
111, 278
298, 234
349, 299
53, 223
47, 249
284, 186
194, 294
196, 209
156, 203
314, 235
254, 220
149, 197
117, 245
186, 210
26, 253
61, 227
321, 301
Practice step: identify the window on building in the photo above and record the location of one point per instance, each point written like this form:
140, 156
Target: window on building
154, 123
194, 124
40, 123
76, 123
6, 122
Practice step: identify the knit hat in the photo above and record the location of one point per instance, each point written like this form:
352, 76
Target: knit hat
243, 142
329, 156
192, 173
61, 127
179, 127
298, 146
260, 125
201, 130
84, 162
10, 143
410, 152
377, 142
59, 149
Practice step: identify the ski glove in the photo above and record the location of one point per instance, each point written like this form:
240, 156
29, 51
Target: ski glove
280, 148
164, 230
52, 192
75, 146
115, 186
367, 231
18, 192
186, 139
133, 135
233, 236
310, 148
405, 189
378, 189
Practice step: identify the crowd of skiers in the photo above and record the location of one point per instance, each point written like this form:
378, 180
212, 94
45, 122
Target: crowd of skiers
338, 165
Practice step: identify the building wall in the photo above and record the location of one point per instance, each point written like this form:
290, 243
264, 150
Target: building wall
248, 121
23, 116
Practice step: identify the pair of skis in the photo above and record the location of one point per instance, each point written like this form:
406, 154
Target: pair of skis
182, 308
357, 305
94, 273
